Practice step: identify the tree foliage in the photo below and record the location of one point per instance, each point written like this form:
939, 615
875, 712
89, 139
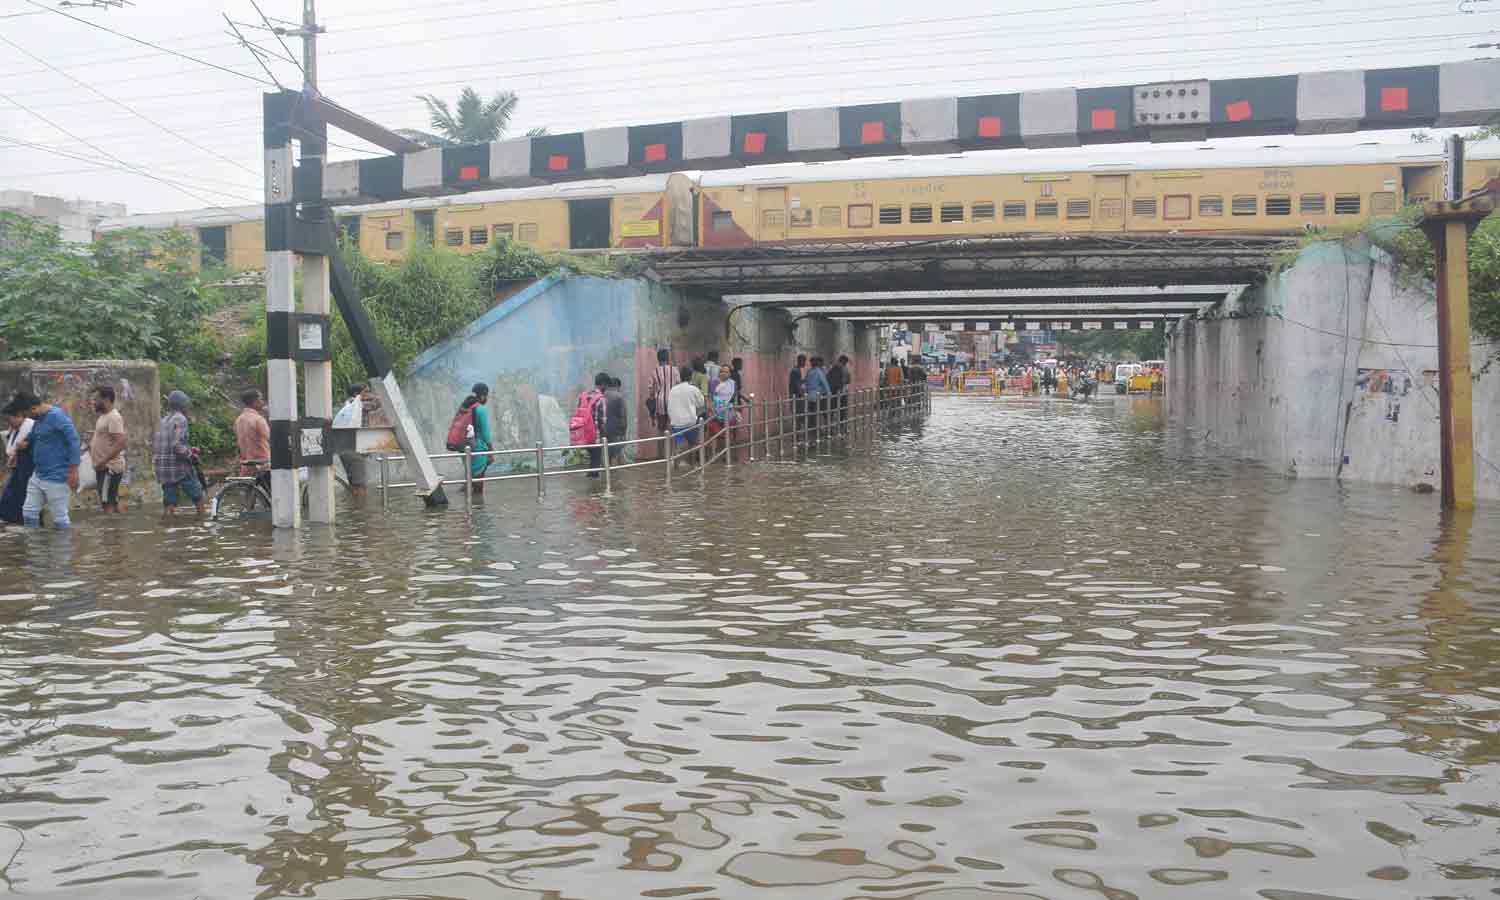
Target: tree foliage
132, 295
1413, 253
1115, 344
472, 120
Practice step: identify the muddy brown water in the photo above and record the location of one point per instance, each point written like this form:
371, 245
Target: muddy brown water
1023, 650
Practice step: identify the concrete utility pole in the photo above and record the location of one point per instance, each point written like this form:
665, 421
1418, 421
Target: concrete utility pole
1448, 224
310, 32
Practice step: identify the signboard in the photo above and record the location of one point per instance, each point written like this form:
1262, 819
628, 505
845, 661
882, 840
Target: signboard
955, 326
981, 326
1092, 326
1033, 326
1062, 326
1147, 326
933, 326
937, 380
651, 228
1121, 326
1007, 326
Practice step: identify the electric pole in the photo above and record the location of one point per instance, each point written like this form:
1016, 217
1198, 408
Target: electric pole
310, 32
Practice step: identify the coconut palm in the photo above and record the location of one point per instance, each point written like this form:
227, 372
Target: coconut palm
473, 120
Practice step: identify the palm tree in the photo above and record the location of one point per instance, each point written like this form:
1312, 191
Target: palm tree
477, 121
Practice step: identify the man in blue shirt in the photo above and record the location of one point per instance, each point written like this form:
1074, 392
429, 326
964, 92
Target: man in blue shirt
54, 450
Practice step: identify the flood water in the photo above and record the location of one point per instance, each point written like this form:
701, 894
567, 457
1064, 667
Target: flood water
1032, 649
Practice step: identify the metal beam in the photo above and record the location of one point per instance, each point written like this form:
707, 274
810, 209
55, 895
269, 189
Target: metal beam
786, 299
1192, 109
919, 310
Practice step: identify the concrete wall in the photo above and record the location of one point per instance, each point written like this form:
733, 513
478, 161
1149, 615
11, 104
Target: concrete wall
538, 349
71, 386
1329, 370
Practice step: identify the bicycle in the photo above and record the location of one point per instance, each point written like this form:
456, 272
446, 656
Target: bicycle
246, 495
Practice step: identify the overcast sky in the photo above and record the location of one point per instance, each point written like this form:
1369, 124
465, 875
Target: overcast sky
586, 63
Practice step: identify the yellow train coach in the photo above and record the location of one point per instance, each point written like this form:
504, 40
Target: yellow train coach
1005, 192
1208, 190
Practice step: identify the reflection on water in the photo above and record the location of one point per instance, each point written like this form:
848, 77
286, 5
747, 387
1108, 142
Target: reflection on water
1027, 650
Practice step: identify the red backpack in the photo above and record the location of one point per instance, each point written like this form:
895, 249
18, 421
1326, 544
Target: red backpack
581, 428
458, 431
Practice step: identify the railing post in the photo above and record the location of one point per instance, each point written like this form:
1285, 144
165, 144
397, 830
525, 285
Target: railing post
608, 488
385, 498
468, 476
541, 471
702, 446
667, 453
728, 433
750, 424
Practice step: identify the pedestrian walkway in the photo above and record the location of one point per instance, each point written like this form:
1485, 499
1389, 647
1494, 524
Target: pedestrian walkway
761, 430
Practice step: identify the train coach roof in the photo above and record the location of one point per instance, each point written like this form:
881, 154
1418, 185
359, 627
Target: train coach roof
568, 190
1086, 159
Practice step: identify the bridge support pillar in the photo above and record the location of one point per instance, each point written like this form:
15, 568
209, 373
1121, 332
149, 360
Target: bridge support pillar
1448, 226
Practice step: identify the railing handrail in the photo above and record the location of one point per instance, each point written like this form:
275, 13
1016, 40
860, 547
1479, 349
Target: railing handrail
812, 423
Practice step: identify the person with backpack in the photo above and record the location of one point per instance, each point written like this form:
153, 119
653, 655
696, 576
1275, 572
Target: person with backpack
663, 379
588, 421
471, 428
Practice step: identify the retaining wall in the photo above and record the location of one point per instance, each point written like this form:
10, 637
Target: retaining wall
70, 385
542, 346
1329, 370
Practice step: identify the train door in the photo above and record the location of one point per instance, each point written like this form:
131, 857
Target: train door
426, 227
770, 215
588, 224
1109, 202
215, 244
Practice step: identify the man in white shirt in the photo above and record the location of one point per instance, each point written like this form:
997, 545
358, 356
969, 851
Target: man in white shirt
686, 409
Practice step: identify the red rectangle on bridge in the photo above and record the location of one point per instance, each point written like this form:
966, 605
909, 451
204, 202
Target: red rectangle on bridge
557, 163
991, 126
872, 133
1238, 111
1102, 119
1394, 99
468, 173
656, 152
755, 142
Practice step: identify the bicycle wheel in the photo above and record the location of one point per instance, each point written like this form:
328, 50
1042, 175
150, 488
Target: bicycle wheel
238, 500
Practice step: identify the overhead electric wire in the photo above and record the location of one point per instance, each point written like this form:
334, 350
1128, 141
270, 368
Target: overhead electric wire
145, 43
197, 180
100, 150
137, 113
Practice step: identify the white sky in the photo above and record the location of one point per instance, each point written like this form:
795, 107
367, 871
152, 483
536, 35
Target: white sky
586, 63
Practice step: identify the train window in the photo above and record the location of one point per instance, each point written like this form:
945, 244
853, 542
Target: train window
1210, 206
505, 231
1383, 202
479, 235
530, 232
1418, 198
890, 215
983, 212
1245, 205
921, 215
773, 218
723, 220
1279, 206
830, 216
951, 212
394, 240
861, 215
1312, 204
1143, 208
802, 217
1046, 209
1346, 204
454, 237
1177, 207
1015, 209
1078, 209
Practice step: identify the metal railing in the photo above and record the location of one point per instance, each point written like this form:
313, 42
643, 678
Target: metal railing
779, 427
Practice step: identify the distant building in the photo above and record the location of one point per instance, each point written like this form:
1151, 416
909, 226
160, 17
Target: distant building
75, 218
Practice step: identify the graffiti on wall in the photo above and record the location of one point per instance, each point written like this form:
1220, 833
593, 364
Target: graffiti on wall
1388, 387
